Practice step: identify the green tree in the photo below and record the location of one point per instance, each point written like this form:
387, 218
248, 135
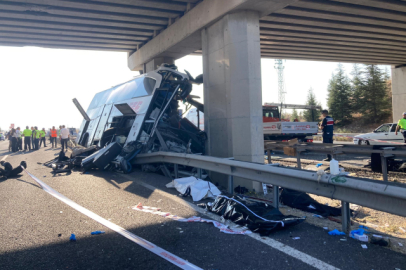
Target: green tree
357, 86
294, 116
311, 115
339, 100
376, 104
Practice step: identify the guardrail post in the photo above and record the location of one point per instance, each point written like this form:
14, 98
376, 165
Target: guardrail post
275, 197
175, 169
199, 173
268, 153
384, 162
345, 217
299, 164
230, 184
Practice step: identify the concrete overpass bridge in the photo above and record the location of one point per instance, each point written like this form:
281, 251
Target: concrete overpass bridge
232, 36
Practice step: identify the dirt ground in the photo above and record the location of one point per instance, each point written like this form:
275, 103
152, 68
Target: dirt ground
390, 226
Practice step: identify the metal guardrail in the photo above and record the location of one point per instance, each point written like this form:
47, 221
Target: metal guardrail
379, 195
385, 152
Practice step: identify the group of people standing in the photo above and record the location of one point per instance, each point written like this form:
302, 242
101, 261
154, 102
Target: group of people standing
34, 138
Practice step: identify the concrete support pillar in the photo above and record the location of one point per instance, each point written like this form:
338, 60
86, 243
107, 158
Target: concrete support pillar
155, 63
232, 90
398, 92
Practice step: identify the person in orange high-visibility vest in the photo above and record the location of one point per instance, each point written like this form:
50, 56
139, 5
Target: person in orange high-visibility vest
54, 135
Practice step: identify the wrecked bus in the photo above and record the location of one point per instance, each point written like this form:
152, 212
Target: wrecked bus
141, 115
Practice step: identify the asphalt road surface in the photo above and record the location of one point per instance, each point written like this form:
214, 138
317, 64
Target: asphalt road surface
35, 228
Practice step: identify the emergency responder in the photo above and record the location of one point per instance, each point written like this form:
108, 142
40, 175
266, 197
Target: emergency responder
37, 136
19, 139
32, 138
327, 126
402, 127
27, 133
54, 136
42, 137
13, 137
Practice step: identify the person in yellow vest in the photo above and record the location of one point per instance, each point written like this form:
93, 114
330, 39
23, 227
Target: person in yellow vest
37, 136
42, 137
32, 138
402, 127
27, 138
54, 136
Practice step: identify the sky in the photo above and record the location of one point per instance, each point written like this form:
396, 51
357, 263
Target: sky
37, 85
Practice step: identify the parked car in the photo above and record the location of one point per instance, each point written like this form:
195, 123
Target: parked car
2, 138
385, 132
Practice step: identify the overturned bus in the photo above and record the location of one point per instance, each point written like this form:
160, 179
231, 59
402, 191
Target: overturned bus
142, 115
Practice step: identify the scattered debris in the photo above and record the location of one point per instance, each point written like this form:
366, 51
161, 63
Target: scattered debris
59, 234
197, 188
318, 216
303, 201
379, 241
296, 238
364, 246
72, 237
335, 232
158, 201
359, 234
400, 244
97, 232
326, 228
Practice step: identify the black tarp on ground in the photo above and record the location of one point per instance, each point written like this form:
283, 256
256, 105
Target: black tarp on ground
303, 201
258, 217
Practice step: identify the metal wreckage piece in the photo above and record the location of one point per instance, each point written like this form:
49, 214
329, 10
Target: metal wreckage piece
138, 116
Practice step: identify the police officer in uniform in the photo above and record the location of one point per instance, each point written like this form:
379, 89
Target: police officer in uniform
402, 127
327, 126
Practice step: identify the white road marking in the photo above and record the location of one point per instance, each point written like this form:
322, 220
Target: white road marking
179, 262
312, 261
4, 158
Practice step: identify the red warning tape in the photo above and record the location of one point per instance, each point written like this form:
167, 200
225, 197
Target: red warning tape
179, 262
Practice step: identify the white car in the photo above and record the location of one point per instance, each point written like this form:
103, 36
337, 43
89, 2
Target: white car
385, 132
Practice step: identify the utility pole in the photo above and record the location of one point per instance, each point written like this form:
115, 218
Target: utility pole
281, 82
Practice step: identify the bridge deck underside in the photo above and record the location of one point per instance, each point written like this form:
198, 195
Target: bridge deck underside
118, 25
363, 31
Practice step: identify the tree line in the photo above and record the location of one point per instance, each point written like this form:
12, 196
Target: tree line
365, 98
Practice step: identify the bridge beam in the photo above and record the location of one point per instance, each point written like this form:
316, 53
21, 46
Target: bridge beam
183, 37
